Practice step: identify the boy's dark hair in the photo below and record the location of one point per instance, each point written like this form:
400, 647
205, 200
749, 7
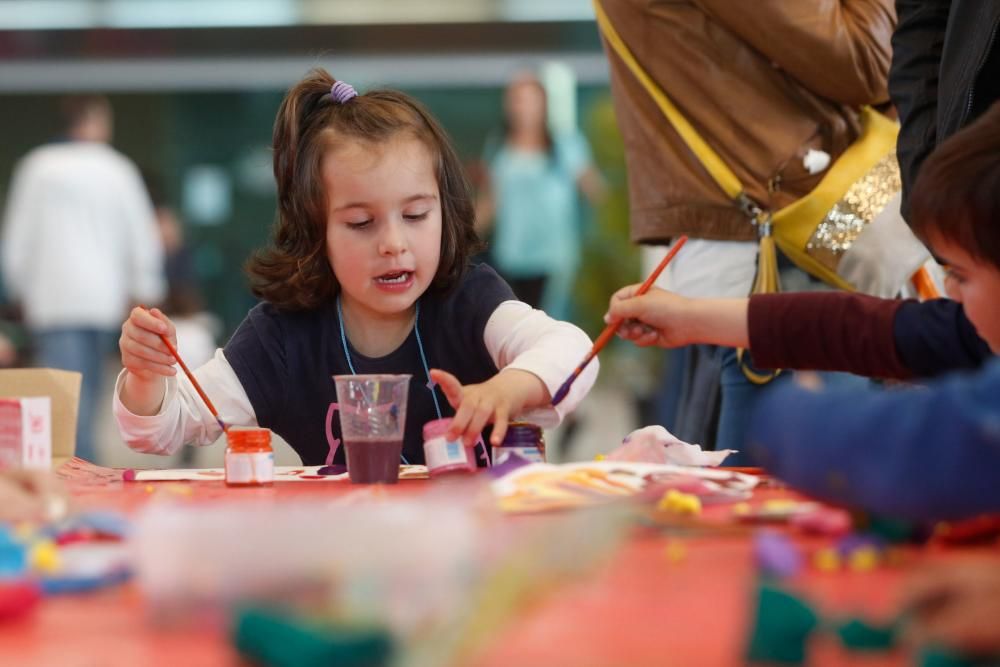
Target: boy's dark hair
293, 272
957, 195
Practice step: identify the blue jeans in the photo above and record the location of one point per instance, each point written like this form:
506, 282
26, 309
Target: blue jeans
739, 396
84, 351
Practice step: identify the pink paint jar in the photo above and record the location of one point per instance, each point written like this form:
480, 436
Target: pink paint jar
446, 456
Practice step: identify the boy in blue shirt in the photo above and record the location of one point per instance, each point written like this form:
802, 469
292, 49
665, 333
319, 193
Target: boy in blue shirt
931, 453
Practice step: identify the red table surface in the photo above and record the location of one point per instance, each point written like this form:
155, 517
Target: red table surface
641, 608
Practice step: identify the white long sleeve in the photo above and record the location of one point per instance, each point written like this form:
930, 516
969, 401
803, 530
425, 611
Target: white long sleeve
518, 336
183, 417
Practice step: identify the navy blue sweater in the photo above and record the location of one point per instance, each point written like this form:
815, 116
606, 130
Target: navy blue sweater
285, 362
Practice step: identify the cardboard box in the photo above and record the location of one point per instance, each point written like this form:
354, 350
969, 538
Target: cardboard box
26, 432
63, 388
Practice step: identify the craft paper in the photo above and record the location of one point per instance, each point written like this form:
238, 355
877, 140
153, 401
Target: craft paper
655, 444
543, 486
281, 474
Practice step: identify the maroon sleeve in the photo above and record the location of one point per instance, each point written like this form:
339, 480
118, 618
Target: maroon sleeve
827, 331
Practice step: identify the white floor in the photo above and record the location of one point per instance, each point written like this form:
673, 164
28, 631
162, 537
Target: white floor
606, 416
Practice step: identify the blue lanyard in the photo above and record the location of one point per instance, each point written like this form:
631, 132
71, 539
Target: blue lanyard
420, 347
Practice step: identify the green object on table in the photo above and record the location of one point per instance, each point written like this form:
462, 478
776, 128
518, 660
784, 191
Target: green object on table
782, 626
278, 639
895, 531
939, 657
858, 635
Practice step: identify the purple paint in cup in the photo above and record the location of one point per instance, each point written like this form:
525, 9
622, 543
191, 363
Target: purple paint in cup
372, 411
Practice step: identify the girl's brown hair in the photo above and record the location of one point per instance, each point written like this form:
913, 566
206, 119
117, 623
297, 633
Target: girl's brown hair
957, 194
293, 271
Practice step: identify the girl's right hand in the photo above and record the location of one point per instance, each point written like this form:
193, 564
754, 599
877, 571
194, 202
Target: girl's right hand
143, 351
655, 318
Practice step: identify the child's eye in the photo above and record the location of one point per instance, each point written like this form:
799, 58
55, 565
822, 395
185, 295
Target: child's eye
954, 275
359, 225
958, 279
414, 217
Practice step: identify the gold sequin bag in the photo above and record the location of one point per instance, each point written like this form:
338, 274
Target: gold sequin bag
815, 231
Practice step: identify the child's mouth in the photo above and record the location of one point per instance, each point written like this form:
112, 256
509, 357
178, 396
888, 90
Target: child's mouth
394, 278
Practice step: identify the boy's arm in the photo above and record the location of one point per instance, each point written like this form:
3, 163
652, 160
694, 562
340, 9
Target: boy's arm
826, 331
925, 454
935, 337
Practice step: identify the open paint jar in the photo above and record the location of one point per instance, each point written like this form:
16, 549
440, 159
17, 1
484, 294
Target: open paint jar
249, 457
524, 439
444, 456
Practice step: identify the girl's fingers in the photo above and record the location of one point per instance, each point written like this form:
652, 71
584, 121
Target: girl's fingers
460, 422
145, 339
500, 420
145, 350
139, 360
151, 320
449, 384
480, 417
171, 330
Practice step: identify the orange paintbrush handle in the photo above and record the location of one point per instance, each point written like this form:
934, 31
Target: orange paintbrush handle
194, 382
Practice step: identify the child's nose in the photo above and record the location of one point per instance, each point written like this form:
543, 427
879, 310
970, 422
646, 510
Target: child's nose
392, 241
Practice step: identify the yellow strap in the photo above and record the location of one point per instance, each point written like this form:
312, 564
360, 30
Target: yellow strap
714, 164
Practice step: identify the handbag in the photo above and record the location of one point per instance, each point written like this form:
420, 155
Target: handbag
818, 230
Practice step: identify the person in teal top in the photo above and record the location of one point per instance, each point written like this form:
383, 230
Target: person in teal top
531, 199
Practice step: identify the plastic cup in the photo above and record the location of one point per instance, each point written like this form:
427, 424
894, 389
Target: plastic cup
372, 423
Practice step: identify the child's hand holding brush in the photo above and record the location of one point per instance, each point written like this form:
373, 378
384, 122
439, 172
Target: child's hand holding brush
149, 350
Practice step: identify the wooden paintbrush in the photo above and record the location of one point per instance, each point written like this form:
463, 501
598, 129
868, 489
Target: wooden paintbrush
609, 331
194, 382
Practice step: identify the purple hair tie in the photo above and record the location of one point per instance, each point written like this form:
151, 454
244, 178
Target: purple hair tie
342, 92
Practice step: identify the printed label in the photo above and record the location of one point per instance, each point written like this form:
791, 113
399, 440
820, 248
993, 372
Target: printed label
532, 454
439, 452
250, 468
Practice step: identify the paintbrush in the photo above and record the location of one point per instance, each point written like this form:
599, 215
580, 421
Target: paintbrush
190, 376
609, 331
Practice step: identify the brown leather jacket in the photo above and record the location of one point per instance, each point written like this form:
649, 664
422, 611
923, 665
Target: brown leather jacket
762, 81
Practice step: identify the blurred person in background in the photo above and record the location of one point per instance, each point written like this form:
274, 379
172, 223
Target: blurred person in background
771, 86
79, 247
529, 199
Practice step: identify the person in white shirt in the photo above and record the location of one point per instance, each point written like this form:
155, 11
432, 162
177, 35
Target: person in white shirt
79, 247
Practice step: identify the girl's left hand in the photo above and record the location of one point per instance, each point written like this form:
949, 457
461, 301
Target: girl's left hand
495, 400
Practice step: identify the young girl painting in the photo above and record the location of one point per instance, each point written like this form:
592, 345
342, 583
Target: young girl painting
367, 272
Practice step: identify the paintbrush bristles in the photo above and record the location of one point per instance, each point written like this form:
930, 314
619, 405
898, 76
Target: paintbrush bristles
564, 389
